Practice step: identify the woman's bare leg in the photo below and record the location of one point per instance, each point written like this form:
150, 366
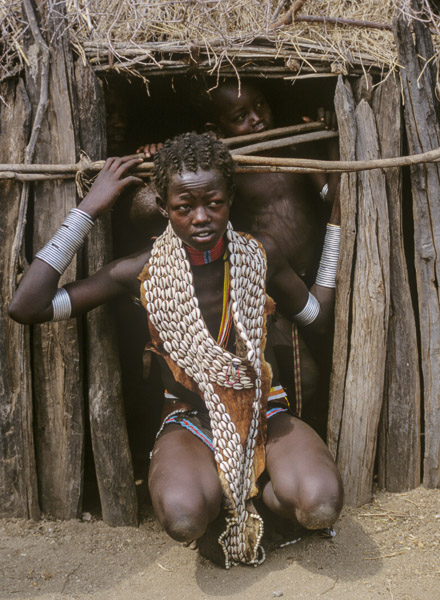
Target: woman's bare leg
184, 485
304, 482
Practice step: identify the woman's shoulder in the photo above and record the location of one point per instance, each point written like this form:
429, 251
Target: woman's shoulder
127, 271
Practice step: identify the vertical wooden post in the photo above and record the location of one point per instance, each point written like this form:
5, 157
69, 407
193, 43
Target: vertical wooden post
111, 451
361, 402
423, 132
58, 382
18, 480
399, 434
345, 110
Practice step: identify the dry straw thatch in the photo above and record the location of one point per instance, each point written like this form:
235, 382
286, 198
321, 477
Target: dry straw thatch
149, 35
261, 36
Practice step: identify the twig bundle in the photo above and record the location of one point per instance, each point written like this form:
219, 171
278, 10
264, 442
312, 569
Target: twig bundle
153, 36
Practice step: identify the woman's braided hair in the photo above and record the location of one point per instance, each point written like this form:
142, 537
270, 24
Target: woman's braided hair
191, 152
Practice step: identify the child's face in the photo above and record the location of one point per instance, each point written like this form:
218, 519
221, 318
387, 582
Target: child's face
240, 115
198, 207
117, 124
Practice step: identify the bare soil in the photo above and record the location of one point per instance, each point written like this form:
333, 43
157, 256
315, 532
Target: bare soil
389, 549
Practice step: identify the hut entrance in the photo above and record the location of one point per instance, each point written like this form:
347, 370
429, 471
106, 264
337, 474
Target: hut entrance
135, 116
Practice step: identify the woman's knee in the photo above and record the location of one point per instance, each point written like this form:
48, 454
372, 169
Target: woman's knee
185, 513
183, 517
320, 502
315, 503
184, 485
184, 525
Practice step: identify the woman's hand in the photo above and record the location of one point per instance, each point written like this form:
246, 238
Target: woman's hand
111, 182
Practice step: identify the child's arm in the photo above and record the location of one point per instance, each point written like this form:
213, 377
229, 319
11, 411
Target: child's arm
38, 298
312, 310
325, 183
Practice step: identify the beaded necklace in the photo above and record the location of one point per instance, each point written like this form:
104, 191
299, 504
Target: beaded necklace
226, 321
198, 258
180, 333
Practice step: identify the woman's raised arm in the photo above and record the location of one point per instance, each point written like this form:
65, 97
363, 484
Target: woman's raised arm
38, 297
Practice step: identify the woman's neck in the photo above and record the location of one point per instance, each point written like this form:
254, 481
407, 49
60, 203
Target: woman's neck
200, 257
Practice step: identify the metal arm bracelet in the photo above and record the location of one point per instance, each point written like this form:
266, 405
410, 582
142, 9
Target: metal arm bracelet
60, 250
62, 307
328, 265
309, 312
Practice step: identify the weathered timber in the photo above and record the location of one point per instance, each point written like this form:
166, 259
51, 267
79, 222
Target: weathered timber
18, 476
301, 138
111, 451
363, 88
399, 434
423, 132
273, 133
58, 383
32, 176
308, 165
369, 308
345, 112
245, 164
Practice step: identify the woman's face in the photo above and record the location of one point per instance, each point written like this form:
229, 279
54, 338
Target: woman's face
198, 207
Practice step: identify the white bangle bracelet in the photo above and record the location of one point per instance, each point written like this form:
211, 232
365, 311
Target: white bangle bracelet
328, 265
309, 312
323, 193
60, 250
61, 305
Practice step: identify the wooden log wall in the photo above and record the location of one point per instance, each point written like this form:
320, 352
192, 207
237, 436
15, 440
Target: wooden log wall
376, 294
57, 371
111, 452
399, 435
422, 120
51, 370
344, 107
18, 477
356, 398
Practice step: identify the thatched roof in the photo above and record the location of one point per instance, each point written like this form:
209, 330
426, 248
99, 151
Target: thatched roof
148, 36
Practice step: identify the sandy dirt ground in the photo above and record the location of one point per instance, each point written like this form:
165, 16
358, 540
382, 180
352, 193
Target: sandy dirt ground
389, 549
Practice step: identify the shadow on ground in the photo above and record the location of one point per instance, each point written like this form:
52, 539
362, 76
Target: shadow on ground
350, 556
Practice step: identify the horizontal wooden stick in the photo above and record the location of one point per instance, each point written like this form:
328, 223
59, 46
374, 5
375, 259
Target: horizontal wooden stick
38, 168
307, 165
273, 133
301, 138
35, 176
327, 166
242, 168
253, 163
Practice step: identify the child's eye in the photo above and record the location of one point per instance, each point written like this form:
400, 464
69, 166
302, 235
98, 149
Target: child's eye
240, 118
